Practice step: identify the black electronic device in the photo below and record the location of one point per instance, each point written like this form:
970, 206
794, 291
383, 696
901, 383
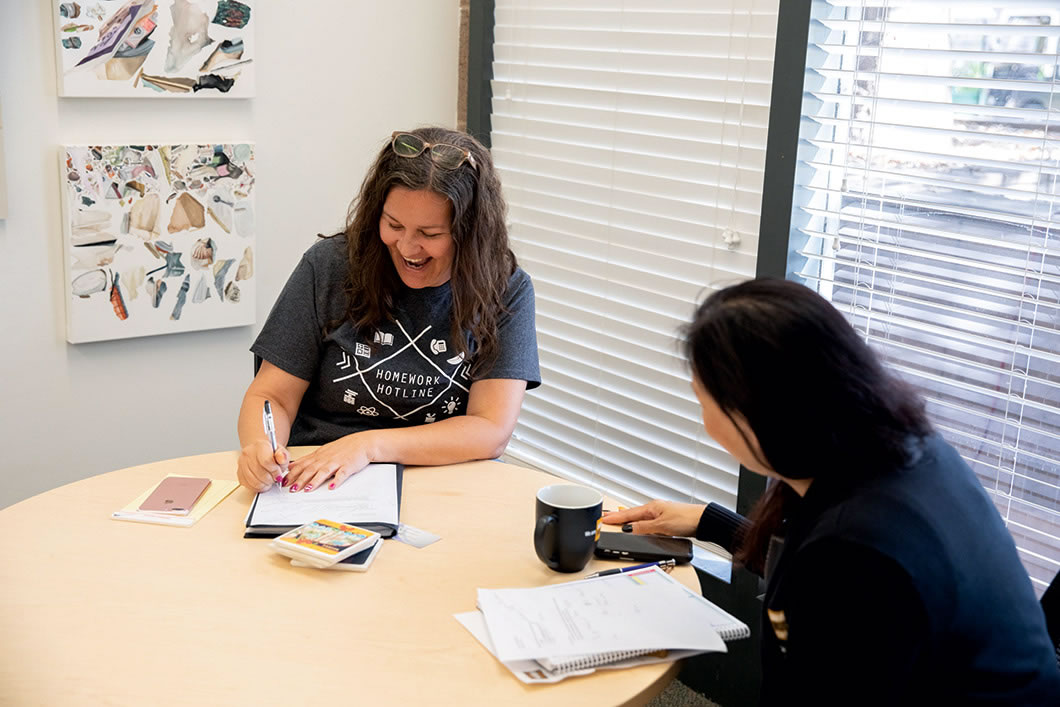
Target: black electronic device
643, 548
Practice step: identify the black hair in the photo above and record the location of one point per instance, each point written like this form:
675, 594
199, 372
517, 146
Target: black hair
821, 405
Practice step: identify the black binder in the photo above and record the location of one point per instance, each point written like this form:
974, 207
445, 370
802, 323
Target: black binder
386, 530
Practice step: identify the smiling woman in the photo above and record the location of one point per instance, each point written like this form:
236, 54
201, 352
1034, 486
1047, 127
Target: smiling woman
415, 228
409, 337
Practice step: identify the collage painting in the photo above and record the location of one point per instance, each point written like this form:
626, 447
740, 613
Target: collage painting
144, 48
157, 238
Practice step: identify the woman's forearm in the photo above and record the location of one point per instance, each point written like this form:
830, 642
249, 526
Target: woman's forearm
457, 439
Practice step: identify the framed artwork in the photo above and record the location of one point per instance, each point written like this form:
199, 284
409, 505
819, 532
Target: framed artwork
148, 48
157, 238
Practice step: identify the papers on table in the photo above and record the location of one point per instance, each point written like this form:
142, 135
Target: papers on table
368, 496
214, 494
544, 634
634, 611
532, 672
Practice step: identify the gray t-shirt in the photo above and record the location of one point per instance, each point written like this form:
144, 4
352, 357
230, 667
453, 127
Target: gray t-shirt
412, 375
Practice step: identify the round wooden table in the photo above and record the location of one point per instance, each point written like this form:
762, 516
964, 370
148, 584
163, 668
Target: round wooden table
98, 611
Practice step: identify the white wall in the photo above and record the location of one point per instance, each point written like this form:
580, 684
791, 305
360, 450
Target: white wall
334, 79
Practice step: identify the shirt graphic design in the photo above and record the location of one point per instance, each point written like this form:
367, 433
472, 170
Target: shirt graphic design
413, 378
403, 374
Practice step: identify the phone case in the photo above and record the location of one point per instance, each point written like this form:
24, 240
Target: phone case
643, 548
175, 495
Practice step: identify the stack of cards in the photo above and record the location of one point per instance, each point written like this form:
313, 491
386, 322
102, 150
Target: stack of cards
357, 562
323, 543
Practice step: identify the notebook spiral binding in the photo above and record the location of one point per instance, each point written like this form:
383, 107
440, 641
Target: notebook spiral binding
732, 633
581, 662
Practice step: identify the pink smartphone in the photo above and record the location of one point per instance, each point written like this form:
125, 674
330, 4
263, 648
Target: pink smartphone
175, 495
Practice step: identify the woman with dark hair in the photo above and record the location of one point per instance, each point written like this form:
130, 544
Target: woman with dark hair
409, 337
890, 577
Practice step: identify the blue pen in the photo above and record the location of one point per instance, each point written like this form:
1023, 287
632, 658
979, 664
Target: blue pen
664, 565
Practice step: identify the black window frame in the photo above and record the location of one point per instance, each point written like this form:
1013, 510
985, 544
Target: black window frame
733, 678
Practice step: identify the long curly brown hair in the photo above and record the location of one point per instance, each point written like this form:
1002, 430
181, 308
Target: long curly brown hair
482, 263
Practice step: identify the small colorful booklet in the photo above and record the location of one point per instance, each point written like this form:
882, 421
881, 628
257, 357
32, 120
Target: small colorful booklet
322, 543
357, 562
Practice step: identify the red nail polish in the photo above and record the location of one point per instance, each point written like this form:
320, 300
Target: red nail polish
285, 480
294, 487
308, 487
331, 486
279, 478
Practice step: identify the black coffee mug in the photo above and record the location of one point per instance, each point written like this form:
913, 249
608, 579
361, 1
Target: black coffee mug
567, 526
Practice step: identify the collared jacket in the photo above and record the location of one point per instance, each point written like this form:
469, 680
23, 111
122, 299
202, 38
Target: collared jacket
905, 589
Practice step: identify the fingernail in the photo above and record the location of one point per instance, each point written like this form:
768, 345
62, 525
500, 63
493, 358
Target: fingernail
279, 478
331, 486
308, 487
285, 480
627, 528
294, 487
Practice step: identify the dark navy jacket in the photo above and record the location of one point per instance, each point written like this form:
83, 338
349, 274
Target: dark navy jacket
903, 590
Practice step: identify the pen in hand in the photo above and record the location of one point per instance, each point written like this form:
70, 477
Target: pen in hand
270, 432
664, 565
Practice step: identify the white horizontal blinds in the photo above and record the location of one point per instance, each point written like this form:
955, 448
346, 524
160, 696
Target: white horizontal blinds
630, 138
927, 209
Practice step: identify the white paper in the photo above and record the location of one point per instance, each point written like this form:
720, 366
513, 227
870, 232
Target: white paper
369, 496
531, 672
416, 537
140, 517
634, 611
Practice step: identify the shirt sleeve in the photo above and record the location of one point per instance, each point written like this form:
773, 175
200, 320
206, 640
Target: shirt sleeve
856, 627
719, 525
517, 336
292, 335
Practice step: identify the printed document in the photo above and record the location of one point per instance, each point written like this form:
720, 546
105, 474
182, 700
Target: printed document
627, 612
369, 496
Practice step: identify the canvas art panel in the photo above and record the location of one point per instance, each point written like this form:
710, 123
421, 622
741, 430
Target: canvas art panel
163, 48
158, 239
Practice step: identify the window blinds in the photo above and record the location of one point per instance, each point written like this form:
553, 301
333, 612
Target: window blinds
927, 209
630, 138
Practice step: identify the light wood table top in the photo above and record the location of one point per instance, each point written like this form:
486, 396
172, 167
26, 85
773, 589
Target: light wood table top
98, 611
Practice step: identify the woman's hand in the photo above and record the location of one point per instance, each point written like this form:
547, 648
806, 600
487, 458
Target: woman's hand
258, 468
335, 461
659, 518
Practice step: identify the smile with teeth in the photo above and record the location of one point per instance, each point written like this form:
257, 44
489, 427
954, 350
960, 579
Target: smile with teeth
415, 263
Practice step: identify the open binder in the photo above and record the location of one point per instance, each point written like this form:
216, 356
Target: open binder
370, 499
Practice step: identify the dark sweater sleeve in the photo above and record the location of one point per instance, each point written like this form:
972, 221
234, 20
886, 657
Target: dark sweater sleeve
856, 628
719, 525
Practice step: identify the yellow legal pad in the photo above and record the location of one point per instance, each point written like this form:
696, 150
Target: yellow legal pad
217, 491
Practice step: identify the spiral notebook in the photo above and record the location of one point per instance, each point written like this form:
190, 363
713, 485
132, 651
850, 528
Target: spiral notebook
544, 634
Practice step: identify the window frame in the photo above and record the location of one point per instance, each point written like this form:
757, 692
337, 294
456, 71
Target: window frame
738, 682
